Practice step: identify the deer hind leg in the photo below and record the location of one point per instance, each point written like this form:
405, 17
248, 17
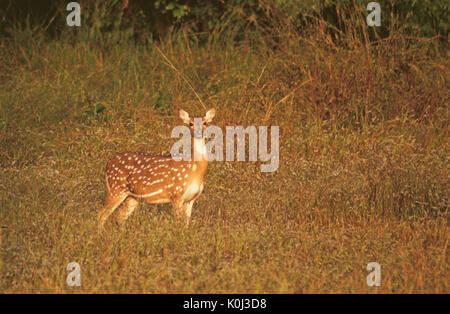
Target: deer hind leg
111, 203
127, 209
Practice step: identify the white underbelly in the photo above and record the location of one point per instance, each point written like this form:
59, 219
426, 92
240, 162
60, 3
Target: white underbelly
154, 197
157, 201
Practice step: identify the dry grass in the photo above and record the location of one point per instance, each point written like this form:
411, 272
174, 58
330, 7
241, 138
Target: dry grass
363, 171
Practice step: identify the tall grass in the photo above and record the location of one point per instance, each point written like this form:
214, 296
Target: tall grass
363, 161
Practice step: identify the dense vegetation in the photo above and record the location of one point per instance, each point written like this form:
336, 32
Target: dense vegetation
364, 145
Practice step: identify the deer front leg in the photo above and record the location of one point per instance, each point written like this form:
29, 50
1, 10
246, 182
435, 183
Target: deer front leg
188, 211
182, 211
177, 209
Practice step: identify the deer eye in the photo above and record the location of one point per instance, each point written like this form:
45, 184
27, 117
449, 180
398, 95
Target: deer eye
191, 124
204, 123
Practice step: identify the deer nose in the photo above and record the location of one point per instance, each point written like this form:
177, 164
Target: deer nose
198, 128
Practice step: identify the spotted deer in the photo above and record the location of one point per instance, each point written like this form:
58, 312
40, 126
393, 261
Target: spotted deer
134, 176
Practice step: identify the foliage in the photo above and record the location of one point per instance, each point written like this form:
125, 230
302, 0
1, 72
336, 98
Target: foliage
141, 19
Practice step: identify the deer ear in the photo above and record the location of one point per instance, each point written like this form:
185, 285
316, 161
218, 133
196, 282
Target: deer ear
184, 116
210, 115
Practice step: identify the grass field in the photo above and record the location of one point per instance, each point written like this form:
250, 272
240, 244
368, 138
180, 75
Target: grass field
363, 176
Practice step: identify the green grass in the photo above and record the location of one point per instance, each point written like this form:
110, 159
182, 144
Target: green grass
363, 175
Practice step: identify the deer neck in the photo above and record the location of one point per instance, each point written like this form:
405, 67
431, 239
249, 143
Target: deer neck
200, 151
